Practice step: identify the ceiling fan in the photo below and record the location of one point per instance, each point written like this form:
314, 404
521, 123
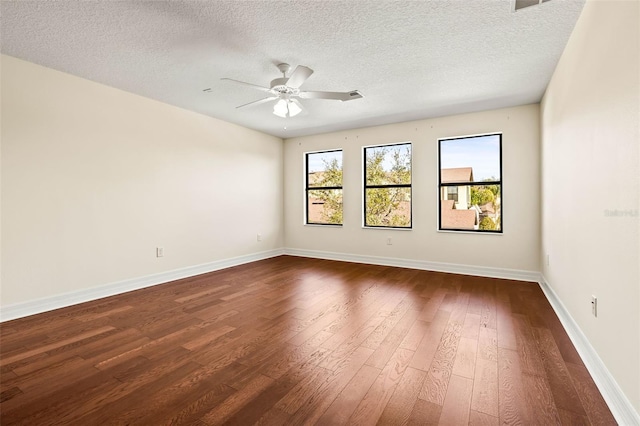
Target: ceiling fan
286, 90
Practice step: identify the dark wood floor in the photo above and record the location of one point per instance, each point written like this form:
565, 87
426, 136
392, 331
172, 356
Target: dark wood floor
301, 341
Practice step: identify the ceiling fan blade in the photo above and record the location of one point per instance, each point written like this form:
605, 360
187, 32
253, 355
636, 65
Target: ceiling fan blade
259, 101
255, 86
299, 76
338, 96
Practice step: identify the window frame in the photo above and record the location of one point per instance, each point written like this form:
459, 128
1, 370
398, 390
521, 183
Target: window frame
470, 184
365, 187
320, 188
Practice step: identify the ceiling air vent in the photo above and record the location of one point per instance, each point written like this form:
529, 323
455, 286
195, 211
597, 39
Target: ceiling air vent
521, 4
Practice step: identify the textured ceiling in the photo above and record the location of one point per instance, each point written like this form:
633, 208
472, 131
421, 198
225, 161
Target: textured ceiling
410, 59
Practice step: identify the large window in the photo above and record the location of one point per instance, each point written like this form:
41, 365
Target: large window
387, 186
470, 182
324, 188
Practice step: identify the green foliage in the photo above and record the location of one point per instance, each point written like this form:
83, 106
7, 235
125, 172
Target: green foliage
487, 194
332, 175
481, 195
495, 189
401, 168
384, 205
488, 224
332, 199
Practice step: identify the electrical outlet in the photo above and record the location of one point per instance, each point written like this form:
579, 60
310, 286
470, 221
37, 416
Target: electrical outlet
159, 251
547, 259
389, 241
594, 306
259, 237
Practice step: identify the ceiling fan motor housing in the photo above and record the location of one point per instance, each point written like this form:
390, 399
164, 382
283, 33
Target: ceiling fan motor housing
279, 85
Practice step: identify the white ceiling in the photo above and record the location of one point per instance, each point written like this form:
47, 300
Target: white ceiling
410, 59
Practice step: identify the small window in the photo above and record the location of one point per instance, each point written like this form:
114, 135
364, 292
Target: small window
452, 193
470, 180
324, 188
387, 186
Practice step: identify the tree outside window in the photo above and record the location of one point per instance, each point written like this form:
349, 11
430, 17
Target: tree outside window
387, 188
324, 188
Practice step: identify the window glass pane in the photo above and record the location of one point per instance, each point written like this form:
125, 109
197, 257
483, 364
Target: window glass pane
388, 165
388, 207
325, 206
477, 207
325, 169
474, 159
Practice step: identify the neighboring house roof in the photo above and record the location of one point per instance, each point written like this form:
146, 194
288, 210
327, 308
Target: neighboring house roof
450, 218
458, 219
315, 178
487, 208
447, 204
460, 174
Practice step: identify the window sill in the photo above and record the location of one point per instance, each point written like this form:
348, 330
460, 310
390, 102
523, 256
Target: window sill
382, 228
446, 231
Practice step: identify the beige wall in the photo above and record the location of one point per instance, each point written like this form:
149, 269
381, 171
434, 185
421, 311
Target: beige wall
94, 179
517, 248
591, 170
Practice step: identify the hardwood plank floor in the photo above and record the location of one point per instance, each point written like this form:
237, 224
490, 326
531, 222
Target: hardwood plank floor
296, 341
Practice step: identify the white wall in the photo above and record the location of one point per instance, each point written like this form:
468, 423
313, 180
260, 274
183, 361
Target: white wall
516, 249
94, 178
591, 168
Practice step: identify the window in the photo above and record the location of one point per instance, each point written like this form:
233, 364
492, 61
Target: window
452, 193
324, 187
387, 186
470, 179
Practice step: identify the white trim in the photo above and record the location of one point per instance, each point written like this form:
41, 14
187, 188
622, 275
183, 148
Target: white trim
37, 306
454, 268
388, 228
451, 231
618, 403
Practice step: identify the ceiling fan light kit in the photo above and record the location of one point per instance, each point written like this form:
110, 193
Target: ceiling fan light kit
285, 89
286, 108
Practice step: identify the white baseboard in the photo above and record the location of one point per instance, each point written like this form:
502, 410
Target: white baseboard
37, 306
620, 406
454, 268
